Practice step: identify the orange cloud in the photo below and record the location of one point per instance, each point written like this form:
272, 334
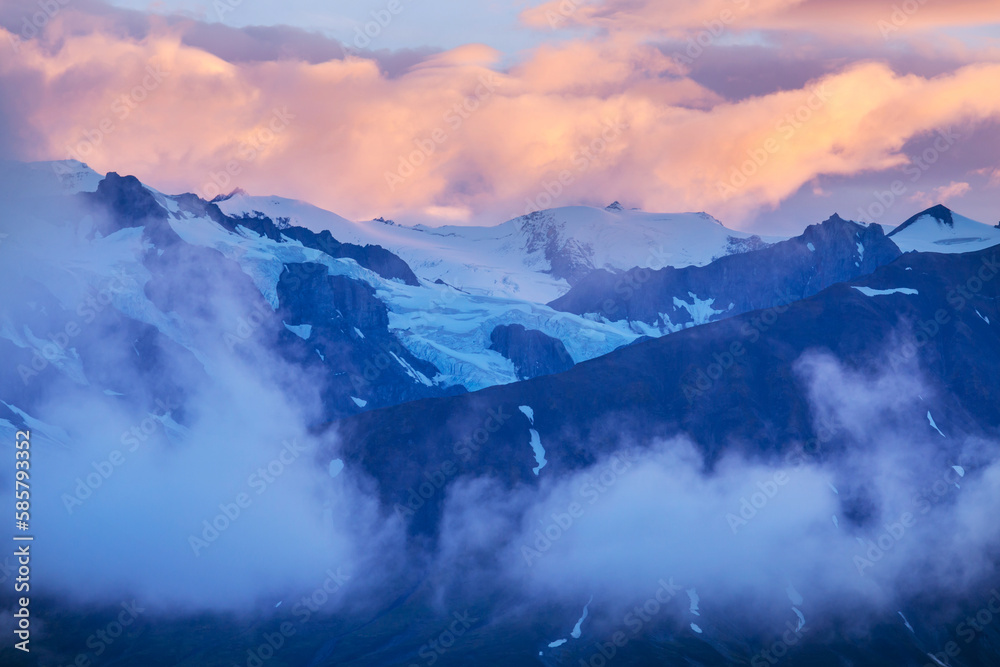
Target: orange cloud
678, 17
453, 137
650, 15
941, 195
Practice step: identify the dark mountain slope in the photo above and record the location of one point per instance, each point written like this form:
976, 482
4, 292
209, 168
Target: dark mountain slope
727, 384
835, 251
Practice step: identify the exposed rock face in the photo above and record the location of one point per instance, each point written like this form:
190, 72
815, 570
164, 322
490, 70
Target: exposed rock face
736, 245
337, 325
127, 203
939, 212
331, 326
373, 257
532, 352
121, 202
693, 383
568, 258
835, 251
126, 197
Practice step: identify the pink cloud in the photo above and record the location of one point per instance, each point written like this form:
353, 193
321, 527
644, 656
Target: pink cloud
992, 174
858, 17
941, 195
455, 137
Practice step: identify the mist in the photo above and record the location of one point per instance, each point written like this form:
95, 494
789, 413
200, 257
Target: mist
197, 482
195, 479
847, 531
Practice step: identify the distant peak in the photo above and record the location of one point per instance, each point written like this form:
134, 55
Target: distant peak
939, 212
835, 218
391, 223
114, 181
614, 206
128, 200
834, 227
710, 218
236, 191
64, 166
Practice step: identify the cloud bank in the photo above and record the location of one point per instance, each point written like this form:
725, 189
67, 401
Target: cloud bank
458, 136
849, 533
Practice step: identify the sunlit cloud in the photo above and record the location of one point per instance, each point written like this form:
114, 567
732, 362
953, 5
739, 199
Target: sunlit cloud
456, 136
942, 195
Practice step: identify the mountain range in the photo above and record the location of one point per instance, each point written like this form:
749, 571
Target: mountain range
464, 388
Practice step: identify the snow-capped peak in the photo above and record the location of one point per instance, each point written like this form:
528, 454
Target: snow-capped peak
939, 229
533, 257
71, 176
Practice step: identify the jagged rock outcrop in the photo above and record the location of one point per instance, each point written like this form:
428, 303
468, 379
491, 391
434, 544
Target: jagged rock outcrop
532, 352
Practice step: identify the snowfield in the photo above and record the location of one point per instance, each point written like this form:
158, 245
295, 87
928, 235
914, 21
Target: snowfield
515, 258
471, 279
868, 291
928, 233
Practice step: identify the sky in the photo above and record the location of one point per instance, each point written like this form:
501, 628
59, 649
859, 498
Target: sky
768, 114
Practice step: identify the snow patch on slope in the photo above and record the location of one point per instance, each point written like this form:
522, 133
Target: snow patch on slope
578, 628
536, 447
700, 310
528, 412
303, 331
930, 420
868, 291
